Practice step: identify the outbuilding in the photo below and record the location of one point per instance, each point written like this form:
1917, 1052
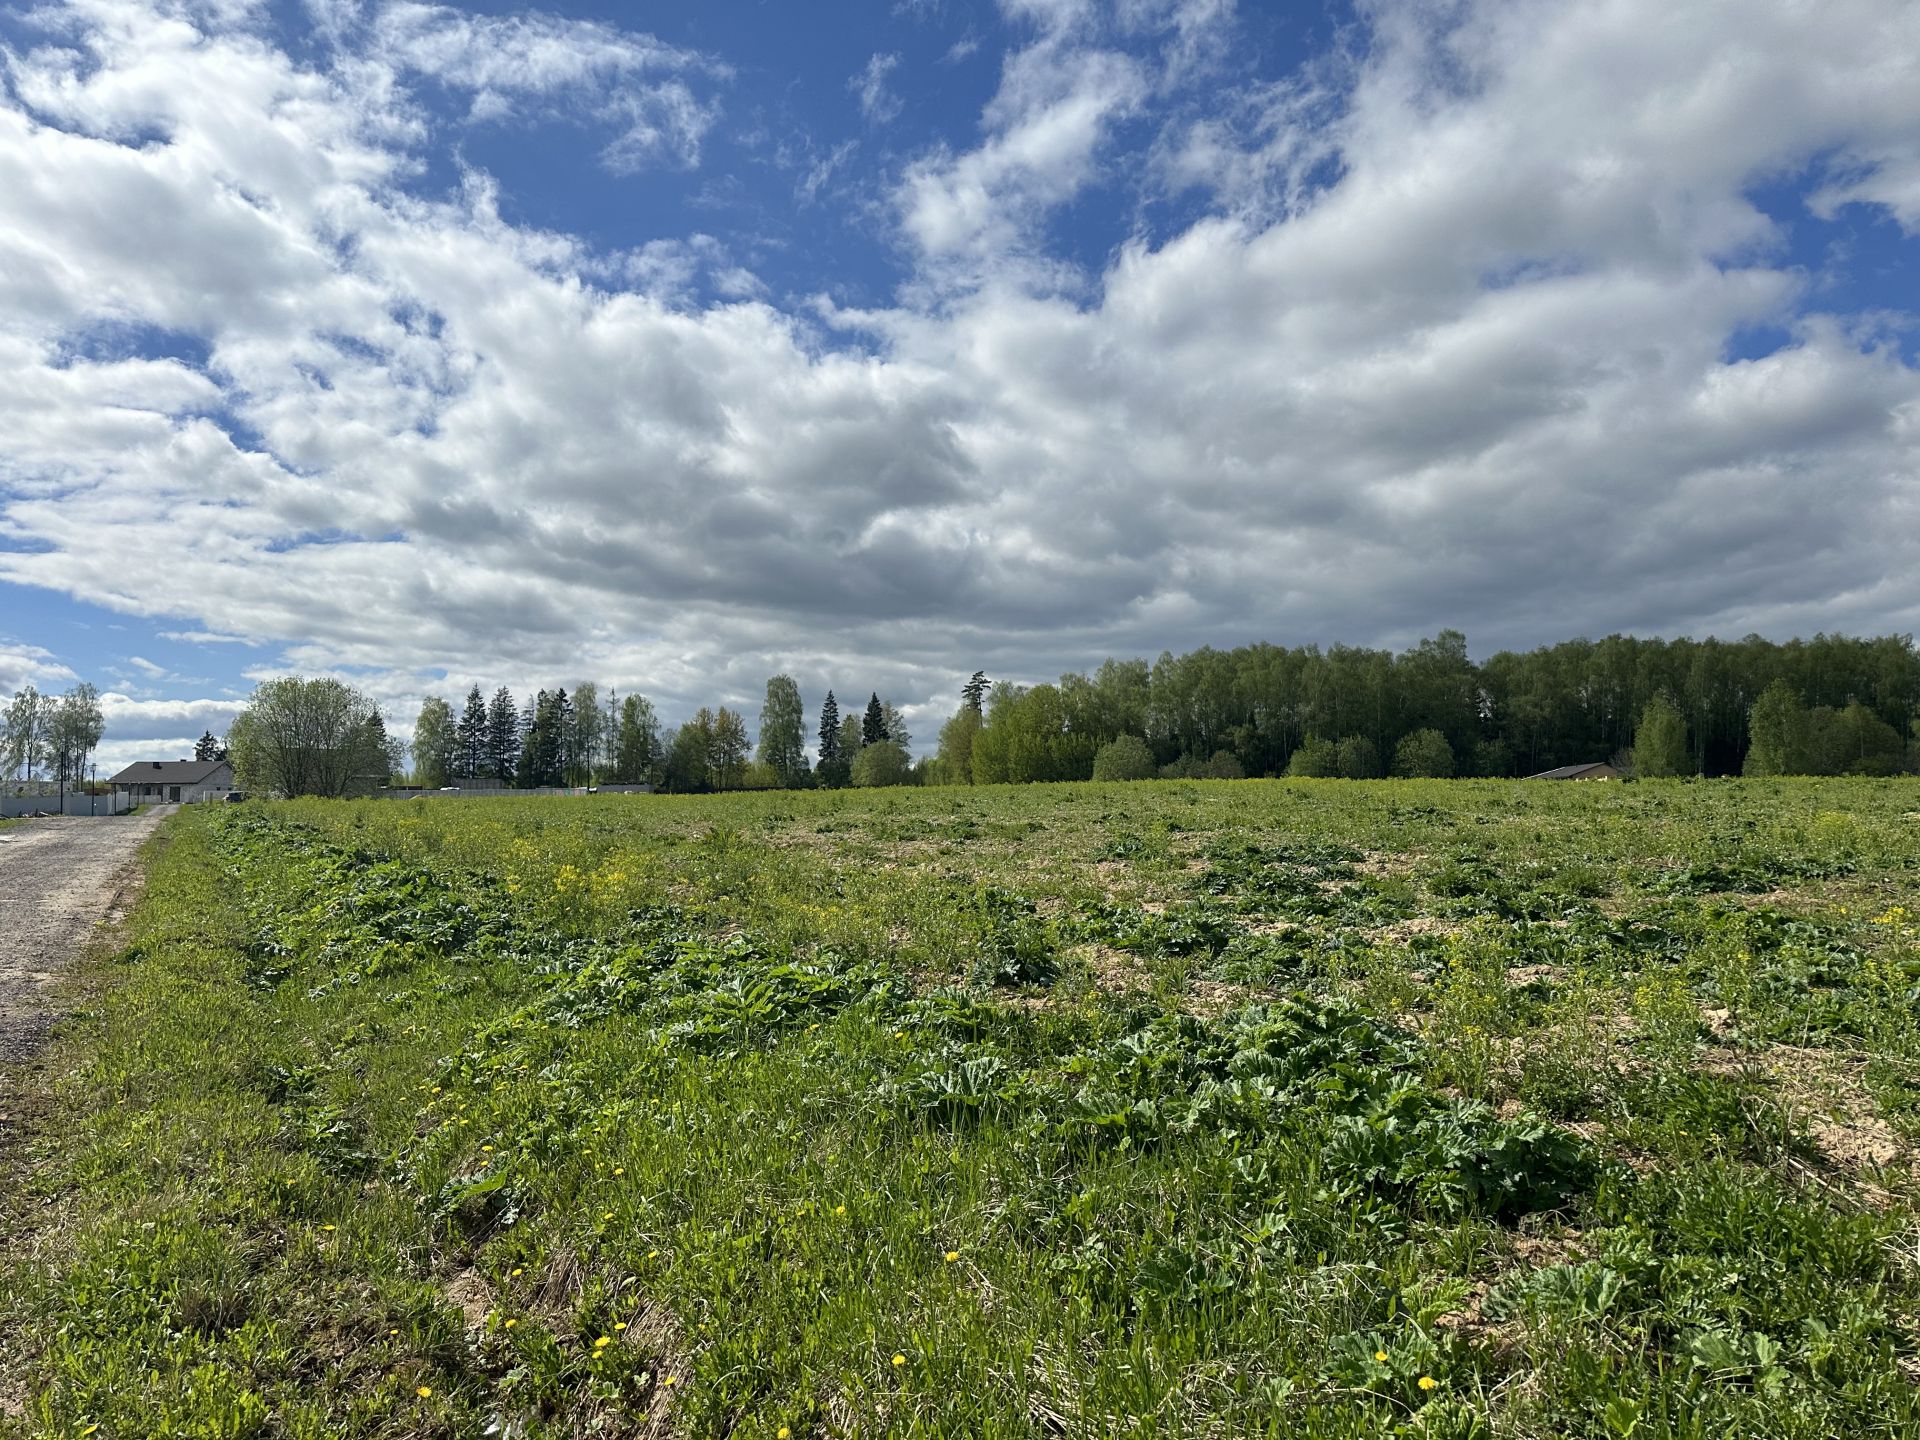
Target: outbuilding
174, 782
1599, 770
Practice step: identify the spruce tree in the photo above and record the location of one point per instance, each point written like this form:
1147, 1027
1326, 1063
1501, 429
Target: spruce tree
829, 730
206, 747
470, 737
873, 727
503, 735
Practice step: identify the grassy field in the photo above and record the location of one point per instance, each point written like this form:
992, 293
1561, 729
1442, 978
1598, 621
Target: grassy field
1263, 1108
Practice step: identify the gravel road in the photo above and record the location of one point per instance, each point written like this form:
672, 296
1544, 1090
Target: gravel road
58, 879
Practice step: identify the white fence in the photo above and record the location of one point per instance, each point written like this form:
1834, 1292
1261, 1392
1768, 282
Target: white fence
12, 805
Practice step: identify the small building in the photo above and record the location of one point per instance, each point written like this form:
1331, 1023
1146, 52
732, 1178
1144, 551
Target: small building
1599, 770
173, 782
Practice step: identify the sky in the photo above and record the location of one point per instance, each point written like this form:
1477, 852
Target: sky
877, 342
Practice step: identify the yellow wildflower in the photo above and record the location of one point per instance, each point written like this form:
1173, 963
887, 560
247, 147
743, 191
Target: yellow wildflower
899, 1359
1427, 1382
424, 1391
1381, 1356
952, 1255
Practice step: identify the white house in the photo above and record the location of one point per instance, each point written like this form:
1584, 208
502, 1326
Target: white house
155, 782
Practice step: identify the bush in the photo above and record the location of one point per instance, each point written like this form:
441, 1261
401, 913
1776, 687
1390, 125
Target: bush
1317, 759
1356, 758
1224, 765
1124, 758
1423, 754
882, 763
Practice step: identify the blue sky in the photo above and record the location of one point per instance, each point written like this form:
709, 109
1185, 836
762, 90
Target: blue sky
673, 346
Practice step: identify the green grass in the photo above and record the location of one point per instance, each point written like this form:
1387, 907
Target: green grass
1262, 1108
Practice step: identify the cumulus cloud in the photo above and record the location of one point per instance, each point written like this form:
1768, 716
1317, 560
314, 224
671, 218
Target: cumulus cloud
1451, 343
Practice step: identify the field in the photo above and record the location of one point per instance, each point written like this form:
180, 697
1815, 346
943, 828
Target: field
1186, 1109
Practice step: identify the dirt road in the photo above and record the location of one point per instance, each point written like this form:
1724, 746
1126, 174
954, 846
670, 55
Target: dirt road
58, 878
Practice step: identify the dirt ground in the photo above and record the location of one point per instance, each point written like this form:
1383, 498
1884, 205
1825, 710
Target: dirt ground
58, 879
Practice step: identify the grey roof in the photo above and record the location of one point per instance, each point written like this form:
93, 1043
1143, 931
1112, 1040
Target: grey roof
1569, 772
169, 772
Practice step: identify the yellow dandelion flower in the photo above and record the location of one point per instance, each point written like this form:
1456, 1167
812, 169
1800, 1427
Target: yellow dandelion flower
899, 1359
653, 1254
603, 1342
839, 1209
607, 1216
952, 1255
619, 1169
671, 1381
1427, 1382
326, 1227
424, 1391
486, 1149
394, 1331
518, 1271
512, 1323
783, 1433
620, 1325
1381, 1356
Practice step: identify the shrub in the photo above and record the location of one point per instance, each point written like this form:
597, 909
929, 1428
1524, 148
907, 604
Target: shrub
1423, 754
1317, 759
1356, 758
882, 763
1124, 758
1224, 765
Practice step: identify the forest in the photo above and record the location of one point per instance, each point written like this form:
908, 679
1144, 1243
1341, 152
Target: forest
1832, 704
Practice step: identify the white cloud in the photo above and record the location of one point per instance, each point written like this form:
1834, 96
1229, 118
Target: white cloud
1451, 346
877, 103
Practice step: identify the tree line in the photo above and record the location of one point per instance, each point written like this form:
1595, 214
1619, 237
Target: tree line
49, 739
1829, 705
1843, 705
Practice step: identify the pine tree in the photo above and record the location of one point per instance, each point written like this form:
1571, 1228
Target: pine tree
873, 728
974, 692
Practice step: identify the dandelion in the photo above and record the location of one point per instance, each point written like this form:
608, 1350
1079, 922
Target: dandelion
603, 1342
899, 1360
512, 1323
620, 1325
486, 1149
424, 1391
783, 1433
952, 1255
839, 1209
1427, 1382
607, 1216
518, 1271
394, 1331
619, 1169
671, 1381
1381, 1356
